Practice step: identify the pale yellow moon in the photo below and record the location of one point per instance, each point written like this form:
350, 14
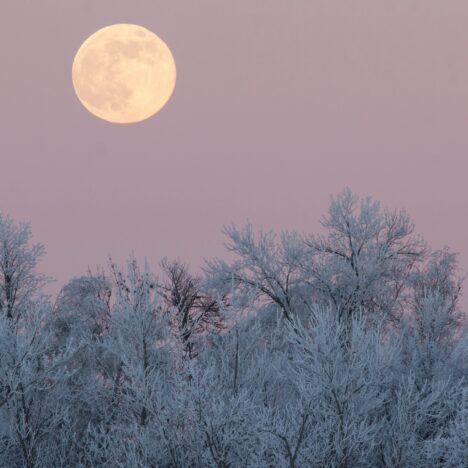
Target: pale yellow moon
123, 73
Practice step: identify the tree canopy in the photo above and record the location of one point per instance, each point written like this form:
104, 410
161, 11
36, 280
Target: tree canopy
341, 349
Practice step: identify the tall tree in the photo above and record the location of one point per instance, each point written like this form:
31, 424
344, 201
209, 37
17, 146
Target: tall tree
19, 280
365, 259
265, 271
193, 312
83, 306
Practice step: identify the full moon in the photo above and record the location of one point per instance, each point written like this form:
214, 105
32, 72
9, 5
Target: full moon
123, 73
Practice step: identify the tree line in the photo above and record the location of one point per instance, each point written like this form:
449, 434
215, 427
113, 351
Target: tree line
343, 349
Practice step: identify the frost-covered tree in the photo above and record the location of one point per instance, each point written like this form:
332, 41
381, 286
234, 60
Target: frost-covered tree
19, 280
83, 307
344, 382
139, 340
364, 260
30, 371
266, 270
449, 448
80, 320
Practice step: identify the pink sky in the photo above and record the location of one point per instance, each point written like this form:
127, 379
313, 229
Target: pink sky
278, 105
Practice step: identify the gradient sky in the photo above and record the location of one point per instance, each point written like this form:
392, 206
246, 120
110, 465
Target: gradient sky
278, 105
